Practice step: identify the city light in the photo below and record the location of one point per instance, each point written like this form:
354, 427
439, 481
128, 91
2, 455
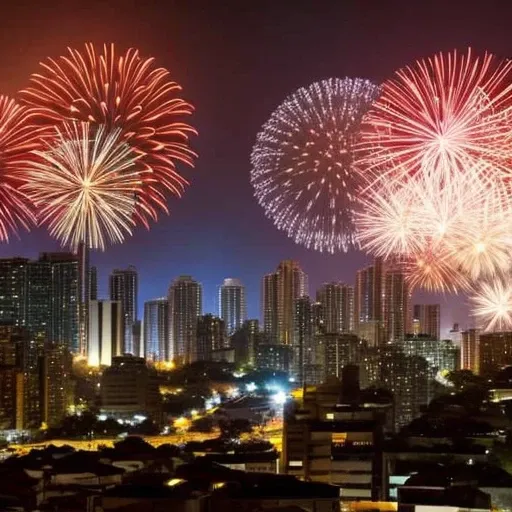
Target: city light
251, 387
279, 398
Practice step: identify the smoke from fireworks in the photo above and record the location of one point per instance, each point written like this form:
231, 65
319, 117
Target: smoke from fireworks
125, 92
302, 162
18, 138
85, 185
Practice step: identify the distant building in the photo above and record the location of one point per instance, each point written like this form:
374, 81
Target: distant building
156, 330
129, 388
495, 352
106, 330
340, 350
427, 320
185, 306
211, 336
396, 309
274, 357
337, 301
470, 351
232, 305
245, 342
124, 287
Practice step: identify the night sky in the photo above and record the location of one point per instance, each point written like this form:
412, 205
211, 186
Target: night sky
236, 61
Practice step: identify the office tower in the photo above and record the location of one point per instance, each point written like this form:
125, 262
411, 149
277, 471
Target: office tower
303, 337
470, 351
396, 306
38, 305
337, 300
84, 292
129, 389
106, 331
280, 291
211, 336
137, 338
368, 303
245, 342
124, 288
408, 378
185, 305
334, 435
427, 319
13, 290
156, 330
232, 306
93, 283
495, 352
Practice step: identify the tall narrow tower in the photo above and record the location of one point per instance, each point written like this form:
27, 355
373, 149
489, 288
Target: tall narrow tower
337, 301
232, 306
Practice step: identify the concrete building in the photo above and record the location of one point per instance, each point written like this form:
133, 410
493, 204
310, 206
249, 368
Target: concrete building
185, 306
470, 350
211, 336
124, 288
337, 301
245, 342
156, 330
426, 319
274, 357
396, 306
232, 305
106, 330
495, 352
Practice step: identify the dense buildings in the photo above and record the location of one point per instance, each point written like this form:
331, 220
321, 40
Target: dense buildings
156, 330
124, 287
495, 352
245, 342
106, 331
337, 300
211, 337
426, 319
185, 306
396, 306
232, 305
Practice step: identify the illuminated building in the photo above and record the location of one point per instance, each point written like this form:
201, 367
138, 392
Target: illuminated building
280, 290
333, 435
124, 285
427, 320
245, 342
13, 289
340, 350
368, 303
495, 352
129, 388
303, 337
396, 304
185, 306
156, 330
337, 301
470, 350
211, 336
232, 305
273, 357
137, 338
93, 283
106, 331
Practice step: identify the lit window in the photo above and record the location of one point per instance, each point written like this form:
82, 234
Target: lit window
295, 463
329, 416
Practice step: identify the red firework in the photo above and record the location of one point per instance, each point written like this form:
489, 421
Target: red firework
18, 138
122, 91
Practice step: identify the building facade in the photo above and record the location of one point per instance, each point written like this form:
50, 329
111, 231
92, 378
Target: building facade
495, 352
106, 331
211, 336
337, 301
232, 305
470, 351
156, 330
396, 312
426, 319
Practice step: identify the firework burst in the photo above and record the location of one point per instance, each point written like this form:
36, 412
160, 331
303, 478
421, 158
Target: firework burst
492, 305
86, 185
124, 92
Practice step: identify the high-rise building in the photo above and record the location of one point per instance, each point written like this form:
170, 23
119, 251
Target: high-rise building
232, 306
245, 342
427, 320
470, 351
303, 337
93, 283
211, 336
13, 282
185, 305
396, 309
337, 300
156, 330
273, 357
280, 291
106, 331
124, 288
340, 351
368, 303
84, 294
495, 352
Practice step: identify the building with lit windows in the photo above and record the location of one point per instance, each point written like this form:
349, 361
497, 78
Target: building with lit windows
495, 352
106, 331
232, 305
185, 306
396, 306
337, 301
245, 342
426, 319
470, 350
211, 336
156, 330
124, 287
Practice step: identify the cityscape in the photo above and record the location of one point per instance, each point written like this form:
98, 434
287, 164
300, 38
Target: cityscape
256, 256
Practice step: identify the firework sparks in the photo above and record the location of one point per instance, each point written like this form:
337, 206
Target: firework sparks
85, 185
302, 169
493, 305
125, 92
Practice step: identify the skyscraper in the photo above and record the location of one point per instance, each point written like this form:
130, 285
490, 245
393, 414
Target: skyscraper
124, 288
396, 306
368, 302
156, 330
303, 337
427, 319
13, 282
105, 331
211, 336
84, 294
232, 307
279, 293
470, 351
337, 301
185, 305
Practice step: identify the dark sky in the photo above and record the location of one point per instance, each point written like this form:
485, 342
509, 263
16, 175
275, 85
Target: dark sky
237, 60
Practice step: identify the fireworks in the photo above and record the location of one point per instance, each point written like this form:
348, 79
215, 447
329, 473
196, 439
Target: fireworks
18, 137
86, 185
493, 305
124, 92
302, 162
